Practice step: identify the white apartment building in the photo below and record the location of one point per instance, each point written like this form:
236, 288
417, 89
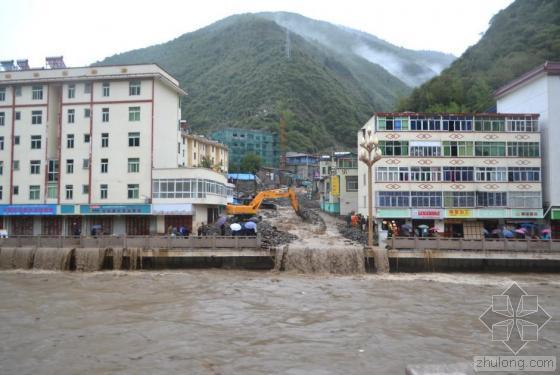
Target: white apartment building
538, 91
98, 147
338, 184
456, 173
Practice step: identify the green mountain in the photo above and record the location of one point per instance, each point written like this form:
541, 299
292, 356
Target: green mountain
520, 37
247, 70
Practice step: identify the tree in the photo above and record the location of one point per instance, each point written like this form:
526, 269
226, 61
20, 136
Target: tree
251, 163
205, 162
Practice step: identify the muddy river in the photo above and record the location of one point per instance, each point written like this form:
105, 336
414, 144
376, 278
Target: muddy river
239, 322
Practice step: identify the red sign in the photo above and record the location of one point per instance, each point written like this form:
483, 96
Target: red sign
427, 214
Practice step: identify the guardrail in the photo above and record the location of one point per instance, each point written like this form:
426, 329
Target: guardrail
498, 244
147, 242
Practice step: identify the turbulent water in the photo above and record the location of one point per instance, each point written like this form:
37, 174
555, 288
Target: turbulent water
239, 322
344, 261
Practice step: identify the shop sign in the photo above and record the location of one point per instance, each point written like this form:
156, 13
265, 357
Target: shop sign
67, 209
392, 213
526, 213
555, 215
491, 214
458, 212
427, 214
172, 209
335, 186
132, 209
27, 209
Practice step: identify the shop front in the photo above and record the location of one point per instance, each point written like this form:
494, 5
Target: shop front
555, 223
25, 219
426, 221
117, 219
390, 221
171, 216
456, 223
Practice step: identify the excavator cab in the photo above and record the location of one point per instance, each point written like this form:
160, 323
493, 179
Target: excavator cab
252, 207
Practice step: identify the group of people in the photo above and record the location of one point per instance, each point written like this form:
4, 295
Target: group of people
247, 228
182, 231
357, 221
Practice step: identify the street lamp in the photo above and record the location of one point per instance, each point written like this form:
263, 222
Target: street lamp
370, 154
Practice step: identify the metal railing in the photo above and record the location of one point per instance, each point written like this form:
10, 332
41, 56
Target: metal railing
145, 242
484, 244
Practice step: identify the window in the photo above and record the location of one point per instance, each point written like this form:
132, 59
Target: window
133, 113
87, 113
2, 94
351, 183
105, 114
134, 140
525, 199
104, 139
491, 199
421, 123
2, 118
134, 88
71, 91
37, 92
489, 124
523, 124
69, 166
85, 189
187, 188
52, 191
53, 171
69, 191
1, 143
16, 190
458, 174
16, 139
456, 123
457, 148
18, 90
496, 174
392, 123
36, 117
70, 141
71, 116
1, 168
490, 149
422, 174
528, 174
85, 163
18, 115
344, 162
35, 142
393, 199
86, 138
425, 149
35, 166
1, 192
523, 149
104, 165
133, 191
34, 192
394, 148
106, 89
133, 165
425, 199
87, 88
458, 198
103, 191
390, 174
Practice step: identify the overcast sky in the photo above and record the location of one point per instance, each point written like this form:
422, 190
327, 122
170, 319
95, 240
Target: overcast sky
87, 31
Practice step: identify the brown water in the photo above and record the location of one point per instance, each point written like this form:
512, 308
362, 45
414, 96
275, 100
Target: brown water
238, 322
343, 261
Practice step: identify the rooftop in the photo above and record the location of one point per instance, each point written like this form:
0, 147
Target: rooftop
445, 114
549, 68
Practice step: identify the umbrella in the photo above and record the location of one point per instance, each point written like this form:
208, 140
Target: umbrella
221, 221
235, 227
507, 233
250, 225
254, 219
545, 231
496, 231
434, 229
520, 231
423, 226
406, 226
484, 231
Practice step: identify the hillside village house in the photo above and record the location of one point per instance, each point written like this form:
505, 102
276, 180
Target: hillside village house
100, 147
457, 173
338, 184
538, 91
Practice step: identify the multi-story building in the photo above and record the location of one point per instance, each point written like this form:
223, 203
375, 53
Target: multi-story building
98, 147
458, 173
204, 152
538, 91
241, 142
304, 166
338, 184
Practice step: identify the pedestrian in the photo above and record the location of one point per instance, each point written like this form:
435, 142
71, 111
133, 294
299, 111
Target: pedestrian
199, 230
170, 230
182, 231
223, 229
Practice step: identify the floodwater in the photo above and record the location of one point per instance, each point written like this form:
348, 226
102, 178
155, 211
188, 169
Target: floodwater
240, 322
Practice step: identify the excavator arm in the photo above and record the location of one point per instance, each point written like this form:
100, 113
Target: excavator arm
253, 206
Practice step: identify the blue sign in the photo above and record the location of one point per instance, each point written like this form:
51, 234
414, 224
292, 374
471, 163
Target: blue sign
27, 209
67, 208
133, 209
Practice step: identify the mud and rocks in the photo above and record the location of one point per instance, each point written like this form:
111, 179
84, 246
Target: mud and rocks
342, 261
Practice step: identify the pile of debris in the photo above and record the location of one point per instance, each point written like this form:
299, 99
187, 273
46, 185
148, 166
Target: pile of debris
313, 217
272, 237
355, 234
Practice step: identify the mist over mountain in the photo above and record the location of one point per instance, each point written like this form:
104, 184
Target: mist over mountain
247, 70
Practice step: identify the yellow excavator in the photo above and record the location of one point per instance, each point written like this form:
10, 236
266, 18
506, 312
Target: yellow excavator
253, 206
